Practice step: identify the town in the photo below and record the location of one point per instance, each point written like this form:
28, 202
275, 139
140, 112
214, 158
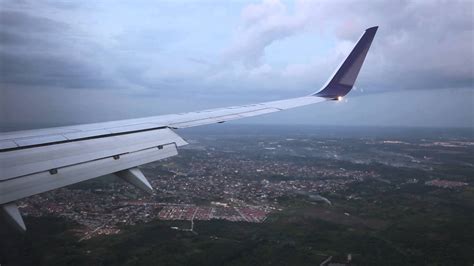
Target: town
191, 187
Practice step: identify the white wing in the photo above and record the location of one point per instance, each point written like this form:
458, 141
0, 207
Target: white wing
35, 161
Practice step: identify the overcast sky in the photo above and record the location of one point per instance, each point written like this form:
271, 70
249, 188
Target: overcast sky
65, 62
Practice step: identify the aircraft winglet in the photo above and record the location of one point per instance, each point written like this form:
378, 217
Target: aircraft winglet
345, 76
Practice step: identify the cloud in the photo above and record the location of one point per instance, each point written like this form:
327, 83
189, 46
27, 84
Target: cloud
37, 50
420, 44
125, 54
261, 25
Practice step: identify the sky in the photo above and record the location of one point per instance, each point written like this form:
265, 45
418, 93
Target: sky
71, 62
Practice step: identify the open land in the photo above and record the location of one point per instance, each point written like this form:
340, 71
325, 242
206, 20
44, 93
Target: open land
271, 195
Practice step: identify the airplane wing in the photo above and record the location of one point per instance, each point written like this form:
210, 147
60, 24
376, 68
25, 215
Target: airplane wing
35, 161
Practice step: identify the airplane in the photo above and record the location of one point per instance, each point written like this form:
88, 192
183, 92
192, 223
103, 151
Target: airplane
39, 160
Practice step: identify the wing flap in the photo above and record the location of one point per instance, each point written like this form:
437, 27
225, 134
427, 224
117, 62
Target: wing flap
22, 162
7, 144
86, 134
25, 142
14, 189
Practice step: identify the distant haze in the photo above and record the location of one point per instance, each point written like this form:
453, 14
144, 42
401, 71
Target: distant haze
88, 61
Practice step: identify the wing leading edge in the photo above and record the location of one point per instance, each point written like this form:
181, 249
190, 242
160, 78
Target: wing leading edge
35, 161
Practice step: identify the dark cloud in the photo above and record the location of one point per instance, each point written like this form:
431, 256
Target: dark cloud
48, 70
39, 51
29, 24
